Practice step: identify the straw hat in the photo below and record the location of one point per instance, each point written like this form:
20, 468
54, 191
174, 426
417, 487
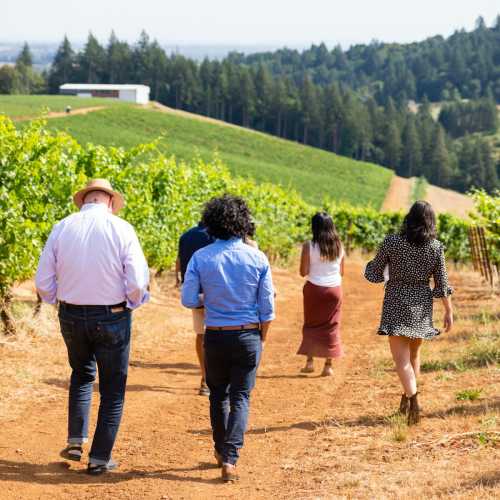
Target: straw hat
100, 185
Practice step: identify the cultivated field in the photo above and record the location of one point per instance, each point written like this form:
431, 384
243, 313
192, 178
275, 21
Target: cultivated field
308, 438
314, 173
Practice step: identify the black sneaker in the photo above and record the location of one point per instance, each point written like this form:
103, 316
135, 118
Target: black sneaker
97, 470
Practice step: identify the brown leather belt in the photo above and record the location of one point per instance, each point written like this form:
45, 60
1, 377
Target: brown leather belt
250, 326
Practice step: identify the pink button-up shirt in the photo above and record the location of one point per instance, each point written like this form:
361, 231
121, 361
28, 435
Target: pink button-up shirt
93, 257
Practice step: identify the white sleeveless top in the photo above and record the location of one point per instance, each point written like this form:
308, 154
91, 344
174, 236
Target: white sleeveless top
323, 272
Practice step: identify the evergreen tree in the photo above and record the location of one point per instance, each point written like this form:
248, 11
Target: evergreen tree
92, 61
63, 67
278, 105
207, 84
27, 79
119, 67
247, 97
310, 108
440, 168
263, 104
334, 113
25, 57
392, 146
490, 182
411, 162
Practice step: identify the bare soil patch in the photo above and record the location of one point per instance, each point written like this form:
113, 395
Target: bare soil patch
61, 114
445, 200
186, 114
398, 196
309, 437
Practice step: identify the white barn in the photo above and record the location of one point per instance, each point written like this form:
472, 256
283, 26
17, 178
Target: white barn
130, 93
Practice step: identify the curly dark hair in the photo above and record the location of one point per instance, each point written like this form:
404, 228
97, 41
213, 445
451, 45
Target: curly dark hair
228, 217
419, 225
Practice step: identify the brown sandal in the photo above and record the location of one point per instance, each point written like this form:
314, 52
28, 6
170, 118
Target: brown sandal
414, 411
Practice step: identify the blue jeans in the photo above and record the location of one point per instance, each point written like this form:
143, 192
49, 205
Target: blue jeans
231, 361
94, 335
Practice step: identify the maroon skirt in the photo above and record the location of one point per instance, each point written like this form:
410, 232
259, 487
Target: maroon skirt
321, 330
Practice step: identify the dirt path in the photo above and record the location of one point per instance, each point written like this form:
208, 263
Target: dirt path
186, 114
309, 437
445, 200
398, 196
61, 114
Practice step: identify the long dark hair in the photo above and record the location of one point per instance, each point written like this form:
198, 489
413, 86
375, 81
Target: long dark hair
419, 225
325, 236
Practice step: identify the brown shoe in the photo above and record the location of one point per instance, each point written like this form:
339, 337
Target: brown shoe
309, 368
204, 390
229, 473
414, 411
403, 406
218, 458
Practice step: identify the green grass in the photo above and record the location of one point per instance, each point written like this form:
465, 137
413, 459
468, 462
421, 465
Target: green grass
17, 106
469, 395
316, 174
419, 189
479, 355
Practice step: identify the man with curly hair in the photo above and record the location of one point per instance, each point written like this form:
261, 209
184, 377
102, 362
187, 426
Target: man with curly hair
239, 307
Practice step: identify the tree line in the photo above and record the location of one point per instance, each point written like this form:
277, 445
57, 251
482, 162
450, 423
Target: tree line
462, 118
465, 65
329, 115
21, 78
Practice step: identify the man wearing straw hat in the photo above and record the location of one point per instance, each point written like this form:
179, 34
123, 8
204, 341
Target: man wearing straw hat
94, 267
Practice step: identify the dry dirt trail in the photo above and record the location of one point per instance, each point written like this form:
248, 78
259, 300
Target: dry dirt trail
398, 195
61, 114
308, 437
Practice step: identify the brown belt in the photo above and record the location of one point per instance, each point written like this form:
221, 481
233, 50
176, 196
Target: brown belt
250, 326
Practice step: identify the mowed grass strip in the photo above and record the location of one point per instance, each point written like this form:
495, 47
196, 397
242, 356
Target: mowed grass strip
314, 173
16, 106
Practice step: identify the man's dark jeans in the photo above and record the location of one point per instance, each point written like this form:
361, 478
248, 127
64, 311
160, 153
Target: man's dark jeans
231, 360
94, 335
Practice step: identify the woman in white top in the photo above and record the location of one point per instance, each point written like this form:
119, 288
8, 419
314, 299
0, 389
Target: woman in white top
322, 262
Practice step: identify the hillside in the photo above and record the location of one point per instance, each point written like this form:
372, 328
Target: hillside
20, 107
313, 172
316, 174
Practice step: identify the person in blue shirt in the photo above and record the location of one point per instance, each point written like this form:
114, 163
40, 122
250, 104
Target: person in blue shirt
191, 241
238, 297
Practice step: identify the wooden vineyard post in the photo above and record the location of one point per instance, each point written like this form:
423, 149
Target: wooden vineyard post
473, 249
6, 317
485, 255
480, 254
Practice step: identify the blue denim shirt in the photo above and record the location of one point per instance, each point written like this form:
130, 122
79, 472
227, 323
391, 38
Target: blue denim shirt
236, 281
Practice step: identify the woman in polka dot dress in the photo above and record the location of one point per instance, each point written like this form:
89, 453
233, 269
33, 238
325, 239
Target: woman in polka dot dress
411, 258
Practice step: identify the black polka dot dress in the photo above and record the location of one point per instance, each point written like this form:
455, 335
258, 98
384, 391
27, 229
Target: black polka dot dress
407, 308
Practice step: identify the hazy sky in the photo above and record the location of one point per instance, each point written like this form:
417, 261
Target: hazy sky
241, 22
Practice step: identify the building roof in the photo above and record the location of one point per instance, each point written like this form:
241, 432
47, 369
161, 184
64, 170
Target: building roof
101, 86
